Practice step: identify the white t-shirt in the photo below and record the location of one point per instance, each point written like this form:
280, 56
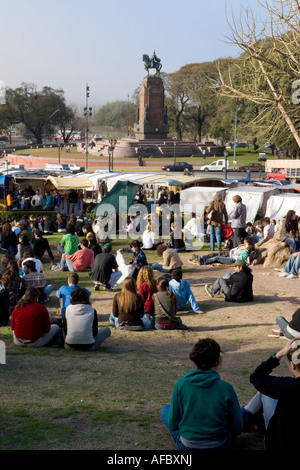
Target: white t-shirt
148, 239
268, 230
38, 264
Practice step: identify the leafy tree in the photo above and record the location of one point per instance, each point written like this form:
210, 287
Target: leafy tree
116, 113
37, 110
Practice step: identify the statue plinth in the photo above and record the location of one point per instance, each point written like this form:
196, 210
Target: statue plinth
152, 119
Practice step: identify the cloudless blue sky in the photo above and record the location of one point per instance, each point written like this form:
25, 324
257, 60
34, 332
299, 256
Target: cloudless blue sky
69, 43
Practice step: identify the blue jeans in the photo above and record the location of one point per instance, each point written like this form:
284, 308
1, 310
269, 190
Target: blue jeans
66, 265
159, 267
48, 289
220, 259
261, 402
293, 265
291, 241
215, 235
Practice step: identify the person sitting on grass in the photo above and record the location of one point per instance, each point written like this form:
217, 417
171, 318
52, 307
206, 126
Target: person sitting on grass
241, 252
237, 287
5, 304
183, 292
291, 268
80, 260
128, 307
278, 399
28, 255
171, 259
41, 244
146, 285
204, 412
138, 259
30, 322
80, 324
105, 269
22, 246
32, 278
64, 292
165, 308
14, 283
289, 329
69, 242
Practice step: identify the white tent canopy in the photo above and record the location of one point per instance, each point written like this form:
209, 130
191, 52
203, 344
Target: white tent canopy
279, 204
254, 197
195, 199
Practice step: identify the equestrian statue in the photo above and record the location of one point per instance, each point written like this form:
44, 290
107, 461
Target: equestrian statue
153, 63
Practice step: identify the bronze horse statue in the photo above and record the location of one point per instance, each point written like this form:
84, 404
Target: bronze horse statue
153, 63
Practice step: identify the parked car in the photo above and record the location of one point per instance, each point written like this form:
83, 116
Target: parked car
75, 167
277, 175
178, 166
218, 165
252, 167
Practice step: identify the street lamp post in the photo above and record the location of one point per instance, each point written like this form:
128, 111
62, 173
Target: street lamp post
234, 144
87, 113
226, 161
174, 153
111, 149
46, 122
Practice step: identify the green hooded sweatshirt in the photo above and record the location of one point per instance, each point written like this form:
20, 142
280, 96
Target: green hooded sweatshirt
204, 407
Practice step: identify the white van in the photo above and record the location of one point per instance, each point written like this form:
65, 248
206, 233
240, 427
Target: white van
218, 165
57, 167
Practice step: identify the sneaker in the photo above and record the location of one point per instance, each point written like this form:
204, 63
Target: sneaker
292, 276
96, 287
108, 288
284, 274
208, 290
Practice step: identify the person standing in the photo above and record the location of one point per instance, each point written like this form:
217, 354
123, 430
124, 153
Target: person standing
217, 211
38, 201
238, 221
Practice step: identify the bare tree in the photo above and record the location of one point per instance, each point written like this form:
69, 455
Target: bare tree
269, 67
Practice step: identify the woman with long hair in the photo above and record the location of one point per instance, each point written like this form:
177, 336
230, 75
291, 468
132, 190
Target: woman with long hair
30, 322
165, 308
146, 285
289, 230
13, 282
128, 307
9, 240
204, 411
80, 323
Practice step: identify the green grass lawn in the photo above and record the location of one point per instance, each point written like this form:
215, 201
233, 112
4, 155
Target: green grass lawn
55, 399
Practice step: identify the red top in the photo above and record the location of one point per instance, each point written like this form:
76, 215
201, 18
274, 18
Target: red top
82, 258
147, 292
30, 322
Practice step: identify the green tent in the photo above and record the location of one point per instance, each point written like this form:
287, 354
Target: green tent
126, 190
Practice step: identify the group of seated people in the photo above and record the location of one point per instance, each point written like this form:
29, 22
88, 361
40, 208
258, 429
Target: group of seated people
145, 302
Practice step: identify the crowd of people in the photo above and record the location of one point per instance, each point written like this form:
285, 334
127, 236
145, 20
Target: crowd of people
204, 412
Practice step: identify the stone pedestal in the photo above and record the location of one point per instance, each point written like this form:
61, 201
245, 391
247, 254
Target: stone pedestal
152, 119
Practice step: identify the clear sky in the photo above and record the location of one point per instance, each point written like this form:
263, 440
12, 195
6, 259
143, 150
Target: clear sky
70, 43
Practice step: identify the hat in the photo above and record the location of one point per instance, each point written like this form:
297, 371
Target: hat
107, 247
239, 262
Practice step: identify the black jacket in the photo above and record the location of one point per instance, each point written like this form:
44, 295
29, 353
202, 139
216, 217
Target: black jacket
283, 428
103, 265
241, 287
